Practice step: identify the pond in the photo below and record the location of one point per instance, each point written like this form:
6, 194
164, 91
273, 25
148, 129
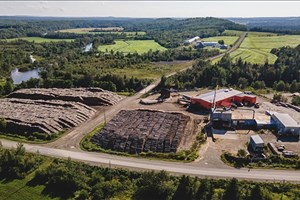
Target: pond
18, 76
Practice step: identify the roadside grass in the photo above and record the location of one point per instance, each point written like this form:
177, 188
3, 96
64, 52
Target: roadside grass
21, 189
39, 39
180, 156
31, 138
132, 46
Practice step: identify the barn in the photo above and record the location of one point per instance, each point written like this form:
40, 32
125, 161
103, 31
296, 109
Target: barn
223, 98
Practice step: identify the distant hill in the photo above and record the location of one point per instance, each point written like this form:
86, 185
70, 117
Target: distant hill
169, 32
289, 25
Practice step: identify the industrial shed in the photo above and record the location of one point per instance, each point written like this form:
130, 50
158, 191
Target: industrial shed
256, 143
190, 41
223, 98
285, 124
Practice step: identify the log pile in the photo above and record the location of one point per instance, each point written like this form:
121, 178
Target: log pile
88, 96
43, 116
135, 131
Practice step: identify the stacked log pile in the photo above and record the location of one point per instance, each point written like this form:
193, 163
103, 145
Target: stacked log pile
43, 116
88, 96
135, 131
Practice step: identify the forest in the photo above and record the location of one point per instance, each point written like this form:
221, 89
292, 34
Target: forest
284, 75
166, 31
67, 179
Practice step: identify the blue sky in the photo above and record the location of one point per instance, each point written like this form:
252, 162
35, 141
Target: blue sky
151, 8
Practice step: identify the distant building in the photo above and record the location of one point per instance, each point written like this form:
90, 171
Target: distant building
200, 45
190, 41
285, 124
256, 143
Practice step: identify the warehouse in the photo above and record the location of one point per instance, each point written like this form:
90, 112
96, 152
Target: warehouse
190, 41
223, 98
256, 143
285, 124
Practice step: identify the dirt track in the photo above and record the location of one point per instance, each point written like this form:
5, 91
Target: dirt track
72, 139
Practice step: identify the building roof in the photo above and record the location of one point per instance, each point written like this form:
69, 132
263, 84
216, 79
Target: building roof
192, 39
285, 119
257, 139
210, 43
220, 95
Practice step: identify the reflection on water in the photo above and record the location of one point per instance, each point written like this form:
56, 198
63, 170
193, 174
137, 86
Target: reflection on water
18, 76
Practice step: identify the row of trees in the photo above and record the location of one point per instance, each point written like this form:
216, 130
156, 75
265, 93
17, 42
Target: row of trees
284, 75
68, 179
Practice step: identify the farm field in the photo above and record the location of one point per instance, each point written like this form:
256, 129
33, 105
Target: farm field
228, 40
152, 71
109, 30
256, 48
132, 46
40, 39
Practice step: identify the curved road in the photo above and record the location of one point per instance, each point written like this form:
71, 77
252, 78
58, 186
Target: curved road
172, 167
68, 147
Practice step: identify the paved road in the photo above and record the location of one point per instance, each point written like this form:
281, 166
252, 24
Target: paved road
68, 146
176, 168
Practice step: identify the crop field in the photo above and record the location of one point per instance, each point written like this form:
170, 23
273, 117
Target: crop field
131, 46
40, 39
76, 30
228, 40
257, 46
109, 30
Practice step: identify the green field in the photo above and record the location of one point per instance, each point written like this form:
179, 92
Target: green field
228, 40
114, 30
153, 71
257, 46
131, 46
21, 188
40, 39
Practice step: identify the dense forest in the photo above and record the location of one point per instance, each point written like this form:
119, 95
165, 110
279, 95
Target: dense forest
64, 64
284, 25
67, 179
284, 75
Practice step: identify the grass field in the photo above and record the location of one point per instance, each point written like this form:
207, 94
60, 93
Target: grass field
21, 189
131, 46
109, 30
257, 46
40, 39
153, 71
228, 40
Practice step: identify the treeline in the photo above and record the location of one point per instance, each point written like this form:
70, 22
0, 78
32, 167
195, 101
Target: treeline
168, 32
284, 75
16, 163
67, 179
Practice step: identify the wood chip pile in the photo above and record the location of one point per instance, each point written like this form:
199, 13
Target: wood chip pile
42, 116
134, 131
88, 96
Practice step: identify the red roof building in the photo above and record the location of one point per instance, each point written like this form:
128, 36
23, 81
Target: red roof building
223, 98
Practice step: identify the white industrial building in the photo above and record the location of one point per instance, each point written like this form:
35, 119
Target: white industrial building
190, 41
256, 143
285, 124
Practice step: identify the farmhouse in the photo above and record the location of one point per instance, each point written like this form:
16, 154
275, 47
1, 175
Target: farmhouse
190, 41
222, 98
256, 143
285, 124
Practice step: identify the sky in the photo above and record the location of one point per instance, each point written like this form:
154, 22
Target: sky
153, 9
